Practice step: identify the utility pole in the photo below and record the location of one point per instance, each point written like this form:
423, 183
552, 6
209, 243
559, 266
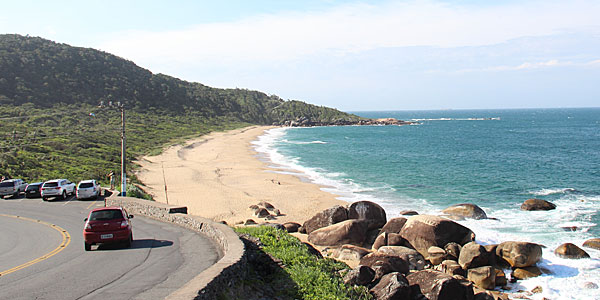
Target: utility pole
123, 174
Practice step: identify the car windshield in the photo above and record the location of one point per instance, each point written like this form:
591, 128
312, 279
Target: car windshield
7, 184
50, 184
103, 215
86, 185
33, 186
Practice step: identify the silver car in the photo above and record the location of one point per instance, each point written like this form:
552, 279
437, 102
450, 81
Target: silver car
88, 189
12, 187
57, 188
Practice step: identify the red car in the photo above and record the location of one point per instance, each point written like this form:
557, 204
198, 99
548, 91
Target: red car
107, 225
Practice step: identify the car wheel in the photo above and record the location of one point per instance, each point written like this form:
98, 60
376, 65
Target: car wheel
16, 195
44, 199
87, 247
128, 242
64, 195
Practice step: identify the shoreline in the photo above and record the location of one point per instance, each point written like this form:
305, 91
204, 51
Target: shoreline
219, 175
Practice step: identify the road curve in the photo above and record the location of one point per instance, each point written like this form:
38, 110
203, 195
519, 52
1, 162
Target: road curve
162, 258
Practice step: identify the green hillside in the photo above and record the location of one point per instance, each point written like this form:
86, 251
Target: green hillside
51, 124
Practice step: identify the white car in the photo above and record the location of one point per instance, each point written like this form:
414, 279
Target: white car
57, 188
88, 189
12, 187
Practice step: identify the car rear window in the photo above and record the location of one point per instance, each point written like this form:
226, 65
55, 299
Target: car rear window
103, 215
86, 185
50, 184
7, 184
33, 187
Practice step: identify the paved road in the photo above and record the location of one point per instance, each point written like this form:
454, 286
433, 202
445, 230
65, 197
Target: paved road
42, 261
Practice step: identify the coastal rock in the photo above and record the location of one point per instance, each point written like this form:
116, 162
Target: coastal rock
367, 210
361, 275
483, 296
519, 254
291, 227
436, 255
312, 250
473, 255
250, 222
592, 243
537, 204
266, 205
325, 218
526, 272
346, 232
393, 286
408, 213
413, 257
568, 250
350, 252
501, 279
395, 239
450, 267
424, 231
483, 277
437, 285
466, 210
262, 212
274, 225
453, 250
394, 225
384, 264
380, 241
588, 285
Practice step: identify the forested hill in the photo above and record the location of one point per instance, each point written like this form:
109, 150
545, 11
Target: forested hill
44, 73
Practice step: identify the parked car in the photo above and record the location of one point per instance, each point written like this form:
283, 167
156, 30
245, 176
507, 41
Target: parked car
88, 189
34, 190
12, 187
107, 225
57, 188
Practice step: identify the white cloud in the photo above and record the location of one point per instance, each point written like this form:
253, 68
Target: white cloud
352, 28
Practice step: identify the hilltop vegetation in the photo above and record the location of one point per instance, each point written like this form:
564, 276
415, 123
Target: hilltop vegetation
52, 126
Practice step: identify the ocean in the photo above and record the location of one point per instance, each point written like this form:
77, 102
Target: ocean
493, 158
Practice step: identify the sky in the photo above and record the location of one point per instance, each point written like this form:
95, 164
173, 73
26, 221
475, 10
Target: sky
351, 55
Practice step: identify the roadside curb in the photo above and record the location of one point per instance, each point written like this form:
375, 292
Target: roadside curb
225, 273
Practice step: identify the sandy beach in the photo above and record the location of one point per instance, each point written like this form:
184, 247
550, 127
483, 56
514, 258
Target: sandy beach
218, 176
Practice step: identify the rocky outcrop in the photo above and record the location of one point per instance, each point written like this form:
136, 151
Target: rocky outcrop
436, 255
394, 225
384, 264
450, 267
325, 218
366, 210
474, 255
350, 252
483, 277
592, 243
408, 213
361, 275
537, 204
392, 286
346, 232
308, 122
437, 285
424, 231
465, 210
571, 251
526, 272
291, 227
413, 257
519, 254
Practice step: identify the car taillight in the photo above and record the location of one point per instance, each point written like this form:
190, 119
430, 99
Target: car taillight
124, 224
88, 226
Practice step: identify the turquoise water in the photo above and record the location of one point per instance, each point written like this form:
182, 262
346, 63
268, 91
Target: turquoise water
494, 158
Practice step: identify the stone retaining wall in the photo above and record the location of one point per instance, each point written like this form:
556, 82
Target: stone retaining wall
226, 272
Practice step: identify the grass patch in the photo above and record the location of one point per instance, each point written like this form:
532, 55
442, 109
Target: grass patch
304, 275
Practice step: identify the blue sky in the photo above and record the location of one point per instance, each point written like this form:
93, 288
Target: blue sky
352, 55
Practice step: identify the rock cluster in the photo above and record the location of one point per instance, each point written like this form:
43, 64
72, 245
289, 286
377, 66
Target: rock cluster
307, 122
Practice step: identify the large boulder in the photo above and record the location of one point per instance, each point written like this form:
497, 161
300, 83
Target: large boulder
436, 255
384, 264
568, 250
394, 225
346, 232
436, 285
592, 243
519, 254
361, 275
367, 210
413, 257
392, 286
537, 204
473, 255
291, 226
424, 231
483, 277
450, 267
465, 210
526, 272
325, 218
350, 252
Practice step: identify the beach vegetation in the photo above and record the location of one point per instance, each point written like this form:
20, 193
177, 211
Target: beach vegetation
303, 275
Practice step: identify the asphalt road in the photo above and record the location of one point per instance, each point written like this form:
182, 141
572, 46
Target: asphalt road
42, 255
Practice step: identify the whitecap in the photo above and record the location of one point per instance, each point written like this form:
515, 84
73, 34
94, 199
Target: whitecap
547, 192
